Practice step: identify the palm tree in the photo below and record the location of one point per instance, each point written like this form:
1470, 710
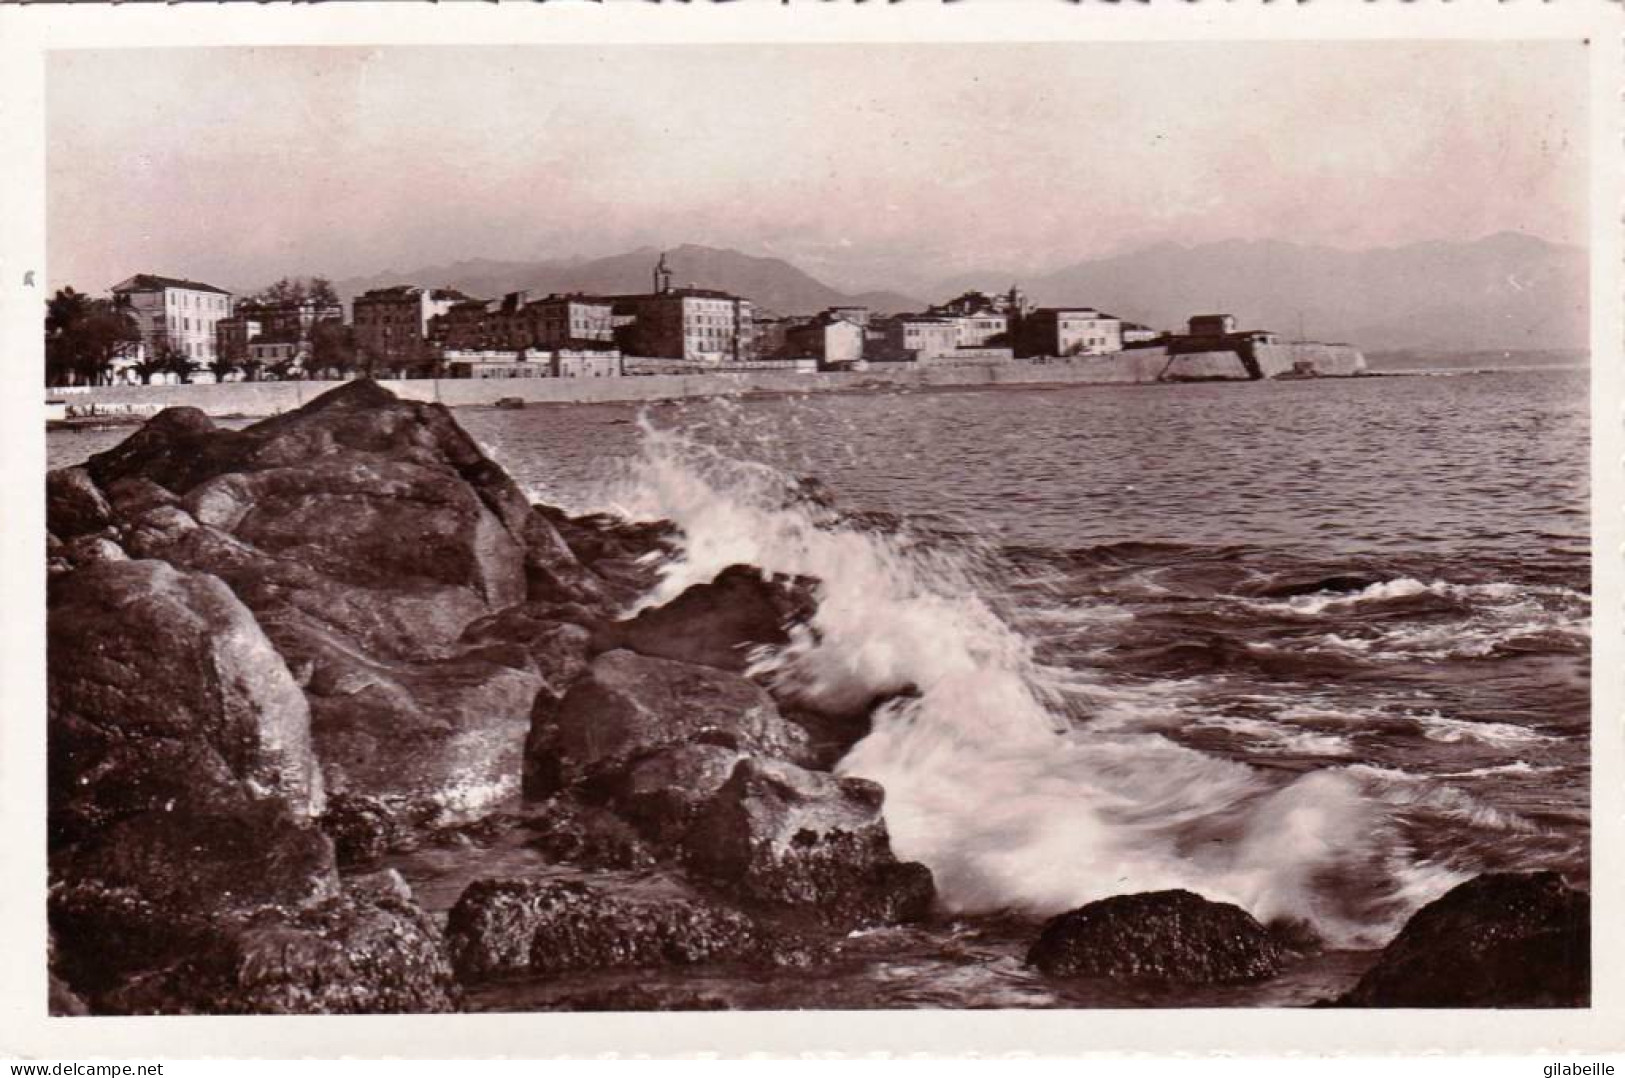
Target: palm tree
84, 336
174, 361
221, 367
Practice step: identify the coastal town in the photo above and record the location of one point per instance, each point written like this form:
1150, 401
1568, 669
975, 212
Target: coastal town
160, 330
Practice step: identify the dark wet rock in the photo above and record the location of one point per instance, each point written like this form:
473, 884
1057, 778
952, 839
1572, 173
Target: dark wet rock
385, 884
363, 829
1337, 584
88, 549
778, 834
623, 555
211, 861
61, 1000
442, 740
165, 695
666, 792
363, 952
834, 728
149, 889
1173, 937
134, 496
552, 926
383, 527
1500, 940
566, 830
719, 623
367, 535
74, 504
535, 634
479, 834
157, 531
552, 571
176, 449
359, 510
627, 706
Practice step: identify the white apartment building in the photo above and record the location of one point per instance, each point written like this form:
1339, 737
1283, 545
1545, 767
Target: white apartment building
175, 313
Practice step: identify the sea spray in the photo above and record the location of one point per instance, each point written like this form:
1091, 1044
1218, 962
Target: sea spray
992, 777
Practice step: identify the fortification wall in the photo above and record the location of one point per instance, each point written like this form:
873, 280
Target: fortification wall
1136, 366
1326, 360
1206, 367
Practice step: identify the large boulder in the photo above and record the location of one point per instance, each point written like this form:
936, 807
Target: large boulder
783, 836
176, 449
164, 695
545, 637
366, 951
74, 504
379, 550
1499, 940
666, 792
567, 831
721, 623
134, 495
504, 926
382, 524
152, 888
624, 557
626, 706
1172, 937
378, 517
440, 740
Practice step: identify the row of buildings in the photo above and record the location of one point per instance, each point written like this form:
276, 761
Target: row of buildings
409, 329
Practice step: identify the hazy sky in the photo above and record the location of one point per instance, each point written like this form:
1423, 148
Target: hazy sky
864, 165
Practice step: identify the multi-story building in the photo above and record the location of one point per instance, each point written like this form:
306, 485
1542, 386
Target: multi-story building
770, 336
392, 324
465, 326
287, 320
267, 353
687, 323
1011, 304
174, 313
984, 320
982, 329
830, 339
517, 321
486, 363
553, 321
1068, 331
702, 325
233, 336
920, 338
858, 316
1212, 325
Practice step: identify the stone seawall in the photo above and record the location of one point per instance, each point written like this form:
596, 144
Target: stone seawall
1325, 360
1137, 366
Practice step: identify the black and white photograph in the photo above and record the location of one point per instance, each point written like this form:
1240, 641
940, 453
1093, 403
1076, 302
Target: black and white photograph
1009, 525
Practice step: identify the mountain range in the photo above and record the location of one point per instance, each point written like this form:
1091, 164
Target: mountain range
1506, 291
773, 284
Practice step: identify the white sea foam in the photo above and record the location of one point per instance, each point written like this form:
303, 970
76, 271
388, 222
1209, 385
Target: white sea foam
1280, 737
1517, 767
1402, 789
1436, 727
1010, 804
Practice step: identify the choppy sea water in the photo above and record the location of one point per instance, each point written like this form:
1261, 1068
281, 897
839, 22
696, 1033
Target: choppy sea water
1316, 648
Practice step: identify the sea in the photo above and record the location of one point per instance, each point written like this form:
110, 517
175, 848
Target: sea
1317, 648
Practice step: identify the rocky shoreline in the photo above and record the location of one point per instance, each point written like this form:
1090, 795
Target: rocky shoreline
282, 655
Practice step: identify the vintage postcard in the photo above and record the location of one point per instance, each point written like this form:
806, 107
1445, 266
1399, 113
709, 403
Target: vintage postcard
987, 527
